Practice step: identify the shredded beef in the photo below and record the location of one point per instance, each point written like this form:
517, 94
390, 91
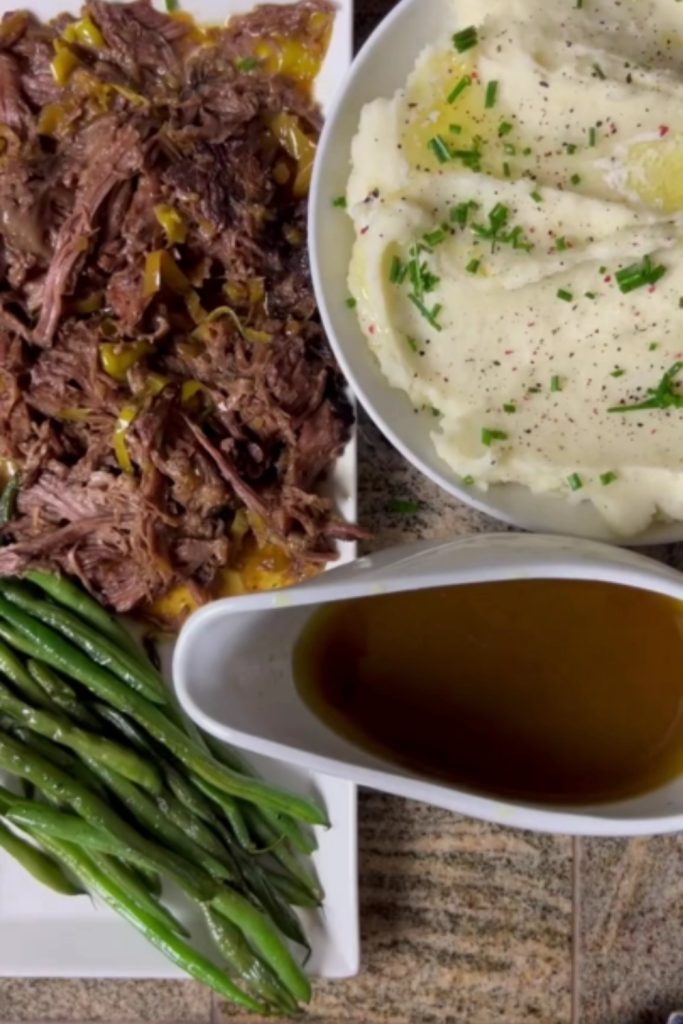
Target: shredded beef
162, 367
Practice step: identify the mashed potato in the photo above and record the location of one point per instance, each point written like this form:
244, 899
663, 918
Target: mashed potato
518, 264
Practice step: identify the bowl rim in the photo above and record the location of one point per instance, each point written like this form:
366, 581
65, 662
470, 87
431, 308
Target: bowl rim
658, 531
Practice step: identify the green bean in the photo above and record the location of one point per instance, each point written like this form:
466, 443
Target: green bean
15, 671
38, 864
137, 893
259, 931
8, 500
102, 651
170, 945
293, 891
147, 876
50, 647
20, 760
61, 731
54, 753
123, 724
15, 639
155, 821
47, 821
275, 907
191, 826
289, 861
302, 839
240, 956
60, 693
68, 594
231, 809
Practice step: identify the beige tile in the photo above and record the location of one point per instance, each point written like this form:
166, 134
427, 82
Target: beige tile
99, 1000
399, 505
631, 926
461, 922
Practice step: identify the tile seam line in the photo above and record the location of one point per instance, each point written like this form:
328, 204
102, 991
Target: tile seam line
577, 950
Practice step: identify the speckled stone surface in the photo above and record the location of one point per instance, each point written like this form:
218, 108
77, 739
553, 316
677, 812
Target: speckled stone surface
462, 923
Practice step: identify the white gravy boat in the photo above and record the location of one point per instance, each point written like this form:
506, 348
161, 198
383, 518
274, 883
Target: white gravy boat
233, 675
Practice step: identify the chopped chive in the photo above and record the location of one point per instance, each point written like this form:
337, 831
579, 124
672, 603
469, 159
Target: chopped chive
396, 271
653, 346
563, 294
247, 64
509, 407
468, 480
351, 302
618, 372
598, 72
570, 147
608, 478
504, 128
404, 507
575, 179
509, 149
465, 39
591, 295
430, 315
470, 157
579, 4
664, 396
491, 95
536, 196
340, 202
455, 129
680, 302
575, 482
527, 151
412, 344
555, 383
461, 212
561, 243
639, 274
592, 136
436, 237
473, 266
488, 435
459, 88
440, 149
506, 169
602, 270
535, 389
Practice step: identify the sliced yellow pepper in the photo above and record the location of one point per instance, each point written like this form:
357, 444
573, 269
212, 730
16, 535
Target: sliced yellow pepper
51, 118
118, 359
172, 223
248, 333
126, 416
189, 390
74, 415
162, 271
65, 60
299, 146
290, 57
84, 32
90, 304
129, 94
155, 384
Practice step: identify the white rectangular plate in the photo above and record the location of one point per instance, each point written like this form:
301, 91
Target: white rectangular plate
46, 935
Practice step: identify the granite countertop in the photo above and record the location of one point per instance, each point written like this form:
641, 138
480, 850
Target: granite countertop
462, 923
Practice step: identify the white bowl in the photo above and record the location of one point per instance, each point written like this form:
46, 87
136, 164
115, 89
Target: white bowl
233, 671
382, 67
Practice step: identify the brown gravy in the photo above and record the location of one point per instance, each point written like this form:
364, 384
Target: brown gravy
549, 690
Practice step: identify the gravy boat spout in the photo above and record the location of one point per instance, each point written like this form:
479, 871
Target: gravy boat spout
234, 678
